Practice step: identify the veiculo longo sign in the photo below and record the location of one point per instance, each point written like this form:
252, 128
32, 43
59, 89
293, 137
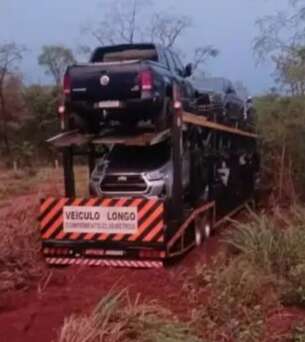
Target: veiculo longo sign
112, 220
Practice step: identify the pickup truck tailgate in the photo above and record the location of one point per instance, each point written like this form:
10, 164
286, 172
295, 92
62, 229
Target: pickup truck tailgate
105, 81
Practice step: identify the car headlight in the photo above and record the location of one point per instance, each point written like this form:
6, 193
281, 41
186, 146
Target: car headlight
154, 175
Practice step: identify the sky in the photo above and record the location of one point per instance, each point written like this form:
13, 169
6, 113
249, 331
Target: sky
229, 25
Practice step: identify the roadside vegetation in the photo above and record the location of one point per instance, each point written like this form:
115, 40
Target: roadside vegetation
20, 260
117, 318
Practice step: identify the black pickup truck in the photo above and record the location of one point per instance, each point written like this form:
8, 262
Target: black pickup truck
125, 84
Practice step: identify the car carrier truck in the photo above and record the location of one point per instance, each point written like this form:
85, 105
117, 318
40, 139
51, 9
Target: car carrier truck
126, 223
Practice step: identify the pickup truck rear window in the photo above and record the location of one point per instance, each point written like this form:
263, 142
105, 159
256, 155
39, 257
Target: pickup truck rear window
116, 54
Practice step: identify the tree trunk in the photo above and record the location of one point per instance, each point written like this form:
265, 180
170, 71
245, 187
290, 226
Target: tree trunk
4, 125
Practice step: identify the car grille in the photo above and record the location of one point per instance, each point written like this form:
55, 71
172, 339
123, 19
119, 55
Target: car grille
123, 183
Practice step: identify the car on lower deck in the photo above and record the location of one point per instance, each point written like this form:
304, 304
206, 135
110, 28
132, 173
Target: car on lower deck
128, 171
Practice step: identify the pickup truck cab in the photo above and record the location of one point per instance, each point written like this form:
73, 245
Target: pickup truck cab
125, 84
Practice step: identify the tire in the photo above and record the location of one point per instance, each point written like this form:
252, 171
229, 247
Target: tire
203, 229
198, 232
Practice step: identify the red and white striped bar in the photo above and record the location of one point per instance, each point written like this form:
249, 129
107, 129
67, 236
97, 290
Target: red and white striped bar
105, 263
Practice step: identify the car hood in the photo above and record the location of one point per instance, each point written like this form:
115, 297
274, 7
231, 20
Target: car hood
114, 168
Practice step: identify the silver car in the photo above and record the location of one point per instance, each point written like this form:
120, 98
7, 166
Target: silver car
137, 171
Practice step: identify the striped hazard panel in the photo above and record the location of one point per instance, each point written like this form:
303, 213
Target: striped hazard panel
105, 263
149, 216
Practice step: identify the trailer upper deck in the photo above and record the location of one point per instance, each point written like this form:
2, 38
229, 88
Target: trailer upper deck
139, 137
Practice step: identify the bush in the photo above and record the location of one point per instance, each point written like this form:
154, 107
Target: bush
281, 125
118, 318
233, 306
20, 260
275, 245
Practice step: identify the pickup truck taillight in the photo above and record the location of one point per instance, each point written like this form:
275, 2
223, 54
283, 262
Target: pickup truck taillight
67, 85
146, 80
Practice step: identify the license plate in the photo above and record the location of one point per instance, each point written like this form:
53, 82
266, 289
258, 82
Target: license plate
103, 220
109, 104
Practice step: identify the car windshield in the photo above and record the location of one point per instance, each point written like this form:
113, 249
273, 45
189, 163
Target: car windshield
125, 53
139, 158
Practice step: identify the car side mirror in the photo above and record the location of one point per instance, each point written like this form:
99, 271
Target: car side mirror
188, 70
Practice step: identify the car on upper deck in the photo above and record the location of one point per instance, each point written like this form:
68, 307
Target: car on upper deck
126, 84
217, 96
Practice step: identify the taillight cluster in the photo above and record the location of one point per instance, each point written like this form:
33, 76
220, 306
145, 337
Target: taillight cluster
146, 80
67, 84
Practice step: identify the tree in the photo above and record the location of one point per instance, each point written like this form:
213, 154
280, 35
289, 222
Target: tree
42, 121
282, 38
167, 29
290, 70
125, 22
10, 54
202, 54
55, 59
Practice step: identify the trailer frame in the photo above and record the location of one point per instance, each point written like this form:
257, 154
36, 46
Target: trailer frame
178, 230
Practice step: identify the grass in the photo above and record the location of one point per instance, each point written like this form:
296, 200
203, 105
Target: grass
47, 181
233, 308
298, 334
276, 245
263, 271
25, 182
20, 260
117, 318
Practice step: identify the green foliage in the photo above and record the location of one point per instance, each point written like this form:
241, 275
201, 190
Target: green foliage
262, 270
118, 318
281, 125
24, 153
232, 305
290, 70
55, 59
276, 246
41, 120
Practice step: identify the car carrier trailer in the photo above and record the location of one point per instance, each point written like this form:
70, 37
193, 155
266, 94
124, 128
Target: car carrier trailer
140, 232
